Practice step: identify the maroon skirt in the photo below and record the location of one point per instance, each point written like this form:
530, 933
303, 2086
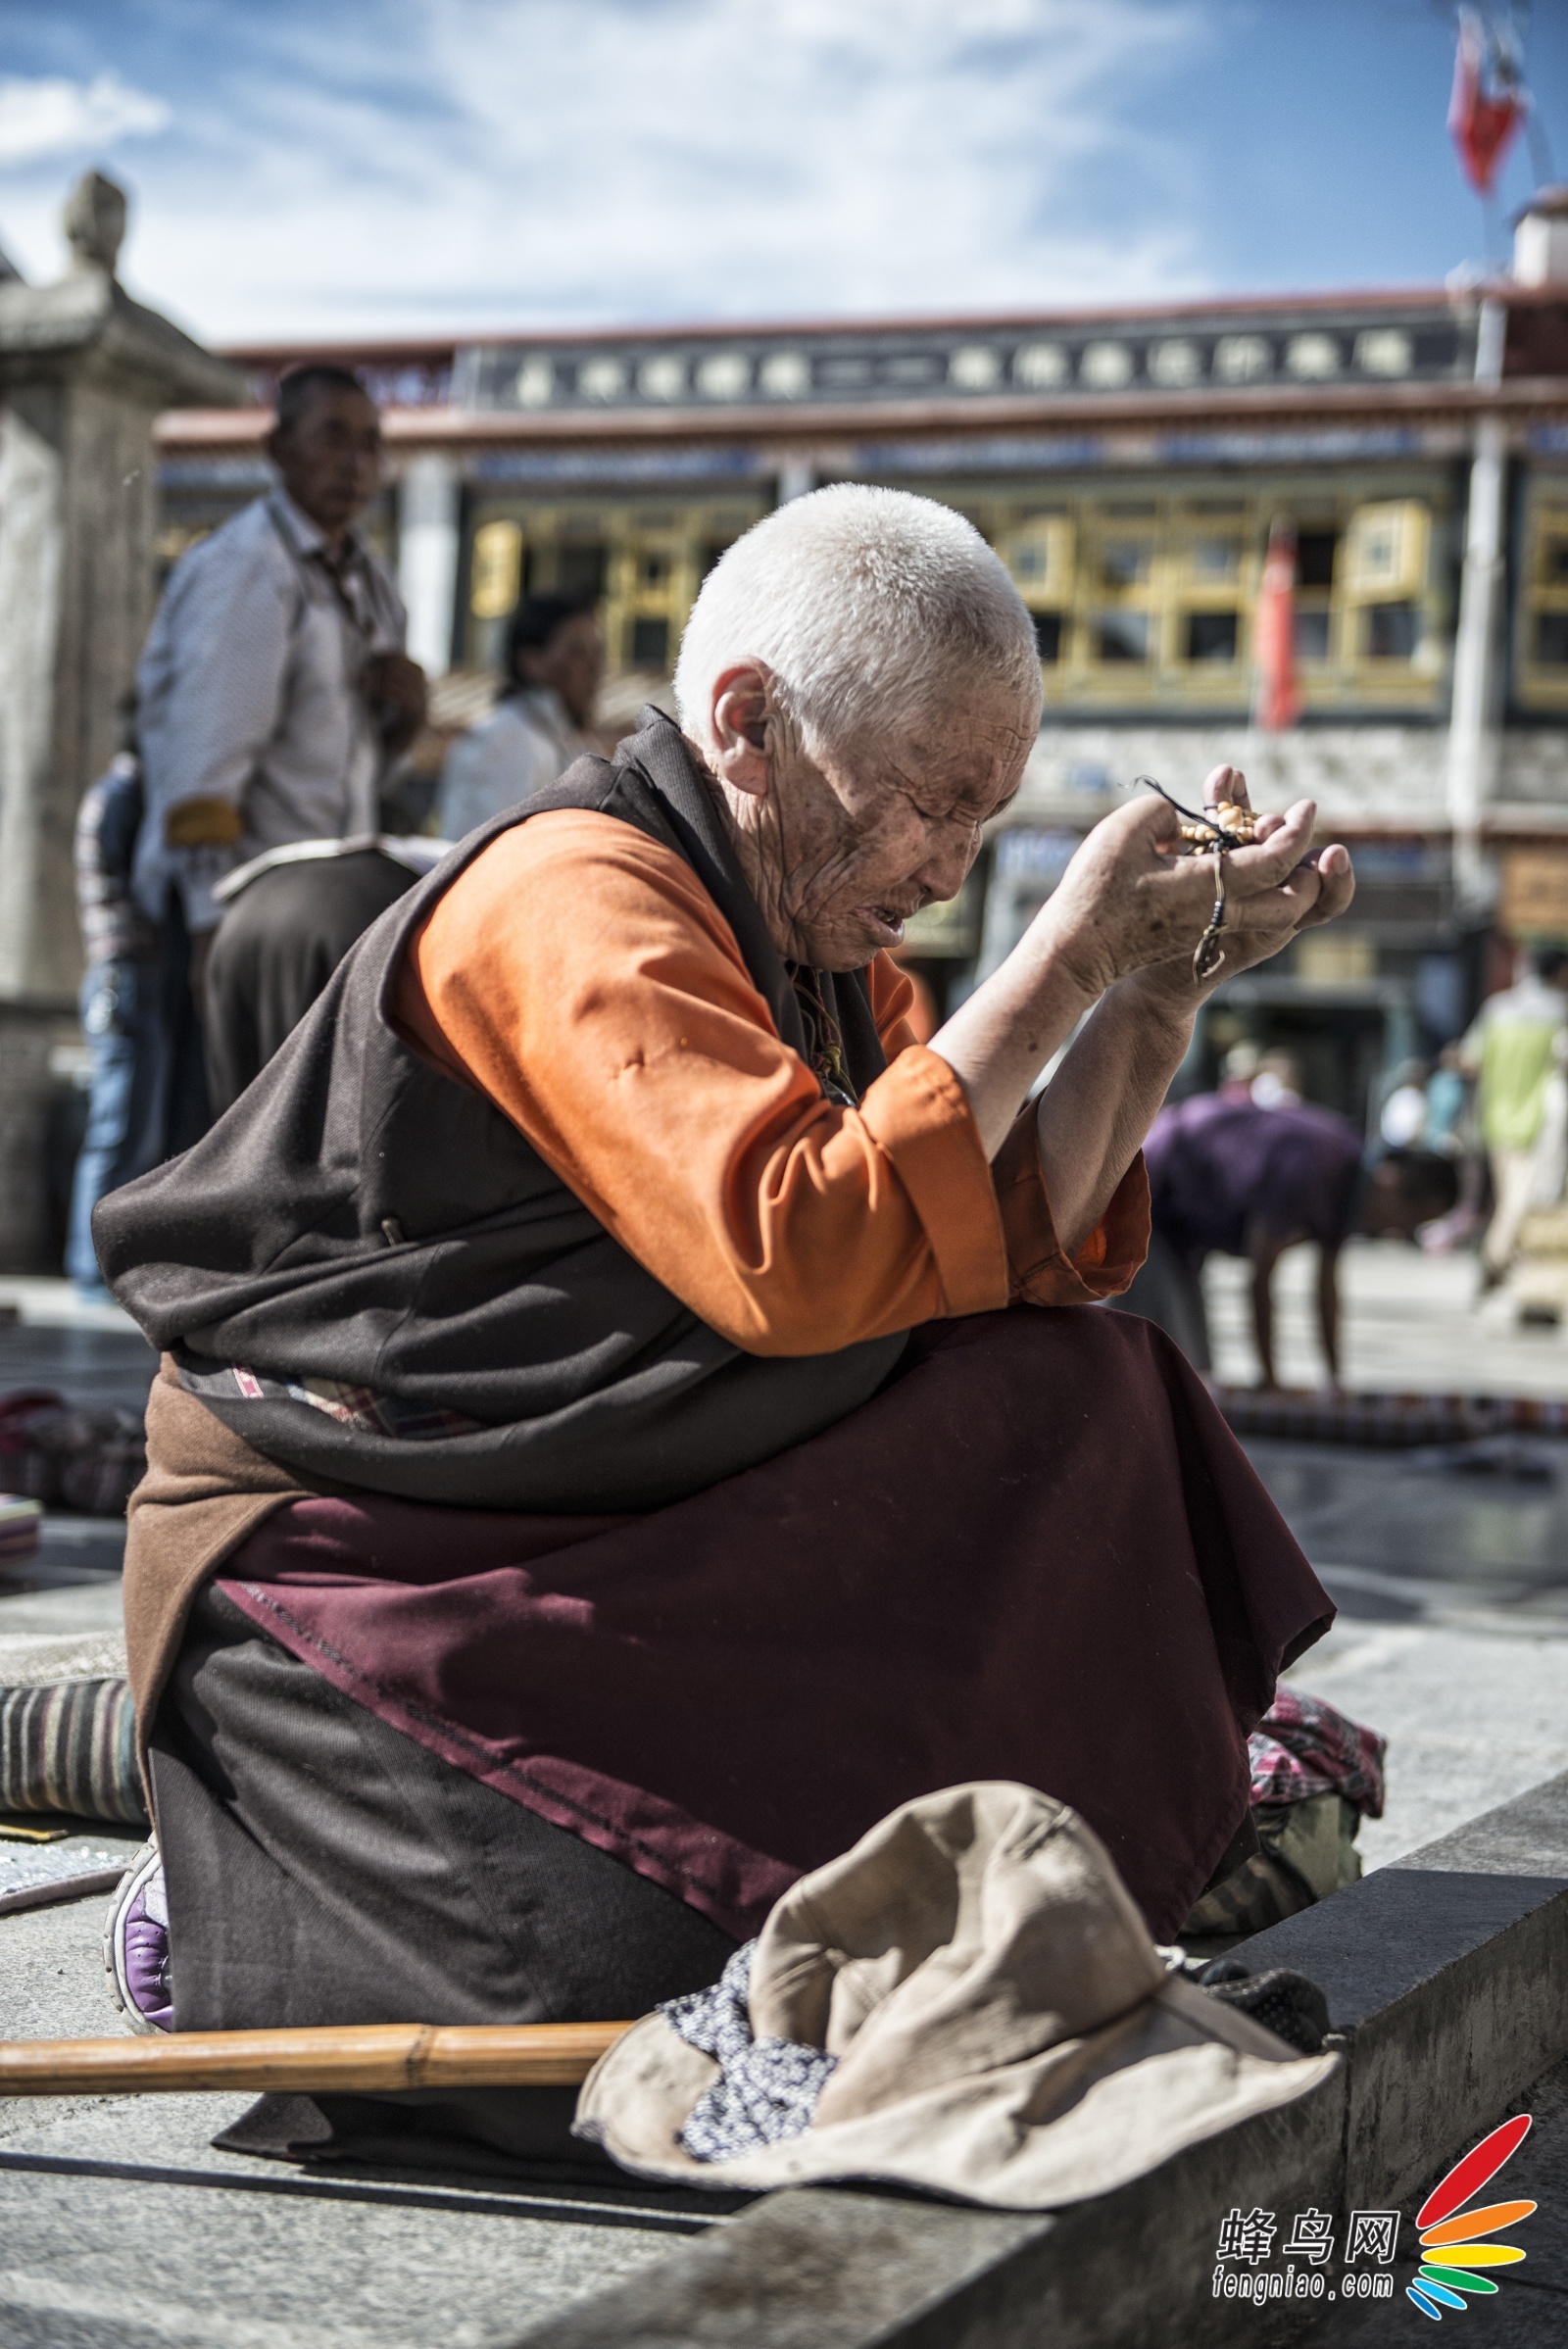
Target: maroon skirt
1037, 1554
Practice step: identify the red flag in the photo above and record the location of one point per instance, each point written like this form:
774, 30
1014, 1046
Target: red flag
1482, 124
1276, 704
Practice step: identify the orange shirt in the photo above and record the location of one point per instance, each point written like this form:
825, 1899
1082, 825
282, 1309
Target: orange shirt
579, 975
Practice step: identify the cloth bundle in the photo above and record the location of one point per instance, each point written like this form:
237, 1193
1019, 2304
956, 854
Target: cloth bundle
84, 1461
974, 2008
1315, 1776
1302, 1747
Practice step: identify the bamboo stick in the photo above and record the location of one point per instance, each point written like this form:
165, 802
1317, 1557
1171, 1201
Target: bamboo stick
335, 2060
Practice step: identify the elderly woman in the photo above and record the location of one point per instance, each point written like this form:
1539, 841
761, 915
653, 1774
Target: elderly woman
618, 1433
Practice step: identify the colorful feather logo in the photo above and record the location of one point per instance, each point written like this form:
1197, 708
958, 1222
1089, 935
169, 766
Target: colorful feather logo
1452, 2250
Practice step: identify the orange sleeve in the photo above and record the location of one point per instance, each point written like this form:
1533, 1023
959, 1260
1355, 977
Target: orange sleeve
579, 975
892, 1001
1038, 1272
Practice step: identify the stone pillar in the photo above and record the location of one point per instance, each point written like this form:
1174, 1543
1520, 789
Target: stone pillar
429, 499
1473, 723
797, 478
83, 371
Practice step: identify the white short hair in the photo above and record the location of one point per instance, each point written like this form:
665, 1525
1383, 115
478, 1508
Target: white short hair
864, 603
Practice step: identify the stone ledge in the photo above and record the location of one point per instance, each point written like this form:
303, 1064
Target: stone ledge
1447, 1986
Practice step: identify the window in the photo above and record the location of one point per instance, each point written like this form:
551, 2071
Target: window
1039, 553
1143, 601
1212, 635
1121, 636
1124, 562
652, 567
726, 375
495, 572
1391, 631
1551, 639
1216, 558
1314, 558
1040, 367
581, 571
649, 648
1312, 633
1542, 633
1387, 553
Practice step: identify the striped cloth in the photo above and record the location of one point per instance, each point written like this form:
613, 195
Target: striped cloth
72, 1746
1390, 1420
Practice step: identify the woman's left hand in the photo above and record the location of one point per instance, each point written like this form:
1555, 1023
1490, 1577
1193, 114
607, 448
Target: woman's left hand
1318, 889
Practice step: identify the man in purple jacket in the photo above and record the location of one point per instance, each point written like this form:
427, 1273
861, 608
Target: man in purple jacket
1225, 1173
1250, 1170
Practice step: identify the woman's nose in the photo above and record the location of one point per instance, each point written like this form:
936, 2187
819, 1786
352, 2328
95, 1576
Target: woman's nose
947, 867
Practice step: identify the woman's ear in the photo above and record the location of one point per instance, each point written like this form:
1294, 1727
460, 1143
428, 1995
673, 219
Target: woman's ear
738, 727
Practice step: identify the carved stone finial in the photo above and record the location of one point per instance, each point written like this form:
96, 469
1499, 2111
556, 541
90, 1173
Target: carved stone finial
95, 222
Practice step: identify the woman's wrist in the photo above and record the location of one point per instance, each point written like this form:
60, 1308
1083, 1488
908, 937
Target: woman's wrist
1164, 999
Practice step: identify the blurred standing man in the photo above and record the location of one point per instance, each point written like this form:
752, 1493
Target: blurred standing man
1248, 1171
274, 688
1512, 1047
555, 661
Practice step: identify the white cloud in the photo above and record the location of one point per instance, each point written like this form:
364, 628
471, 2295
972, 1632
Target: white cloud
435, 164
54, 117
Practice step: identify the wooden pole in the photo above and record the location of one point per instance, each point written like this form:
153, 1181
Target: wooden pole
357, 2059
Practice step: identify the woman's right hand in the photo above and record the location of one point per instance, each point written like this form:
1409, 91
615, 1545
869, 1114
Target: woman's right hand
1130, 902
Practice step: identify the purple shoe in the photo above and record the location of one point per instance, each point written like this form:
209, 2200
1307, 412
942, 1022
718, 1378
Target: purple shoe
136, 1945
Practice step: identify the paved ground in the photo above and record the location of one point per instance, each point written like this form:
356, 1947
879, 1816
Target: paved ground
1411, 1323
1449, 1567
178, 2244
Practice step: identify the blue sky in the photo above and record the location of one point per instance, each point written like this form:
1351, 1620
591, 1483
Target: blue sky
322, 167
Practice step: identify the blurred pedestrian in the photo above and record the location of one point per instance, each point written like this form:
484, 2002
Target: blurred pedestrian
1249, 1171
555, 660
275, 689
1403, 1116
1512, 1050
147, 1100
1449, 1130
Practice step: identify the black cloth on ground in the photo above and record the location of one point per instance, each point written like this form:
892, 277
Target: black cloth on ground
277, 946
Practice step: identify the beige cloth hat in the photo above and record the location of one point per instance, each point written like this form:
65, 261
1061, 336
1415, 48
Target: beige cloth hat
1005, 2029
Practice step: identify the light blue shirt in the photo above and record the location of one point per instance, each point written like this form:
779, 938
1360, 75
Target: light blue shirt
250, 692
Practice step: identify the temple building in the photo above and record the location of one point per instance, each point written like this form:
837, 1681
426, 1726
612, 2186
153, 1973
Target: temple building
1128, 467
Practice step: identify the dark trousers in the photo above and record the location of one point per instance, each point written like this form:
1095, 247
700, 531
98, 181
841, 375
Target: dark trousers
323, 1868
277, 946
149, 1087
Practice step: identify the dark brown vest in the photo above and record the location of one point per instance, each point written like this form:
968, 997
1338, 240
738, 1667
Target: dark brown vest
360, 1216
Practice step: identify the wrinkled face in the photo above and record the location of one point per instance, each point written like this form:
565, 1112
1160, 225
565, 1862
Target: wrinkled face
844, 847
330, 457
